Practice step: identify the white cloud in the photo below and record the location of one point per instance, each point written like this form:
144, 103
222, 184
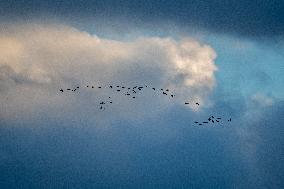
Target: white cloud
262, 99
37, 60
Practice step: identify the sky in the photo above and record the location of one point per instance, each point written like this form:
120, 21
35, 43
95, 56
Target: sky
227, 56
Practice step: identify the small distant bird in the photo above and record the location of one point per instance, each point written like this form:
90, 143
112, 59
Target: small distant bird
110, 86
205, 122
218, 118
117, 86
68, 89
196, 122
99, 87
123, 87
109, 97
118, 90
200, 124
127, 94
230, 119
153, 88
92, 87
186, 103
61, 90
167, 90
165, 93
128, 88
87, 85
162, 89
110, 102
217, 121
77, 87
172, 96
197, 103
133, 97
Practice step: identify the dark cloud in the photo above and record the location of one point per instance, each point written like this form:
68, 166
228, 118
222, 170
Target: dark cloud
247, 18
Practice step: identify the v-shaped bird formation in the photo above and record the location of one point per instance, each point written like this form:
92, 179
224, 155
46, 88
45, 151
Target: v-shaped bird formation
133, 92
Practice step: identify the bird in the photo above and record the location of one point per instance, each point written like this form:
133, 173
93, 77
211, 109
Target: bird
110, 102
61, 90
196, 122
230, 119
110, 86
117, 86
153, 88
167, 90
133, 97
118, 90
205, 122
172, 96
165, 93
128, 88
68, 89
77, 87
87, 85
92, 87
99, 87
186, 103
123, 87
200, 124
197, 103
218, 118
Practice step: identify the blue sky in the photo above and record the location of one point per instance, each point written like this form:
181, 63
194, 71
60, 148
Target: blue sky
228, 56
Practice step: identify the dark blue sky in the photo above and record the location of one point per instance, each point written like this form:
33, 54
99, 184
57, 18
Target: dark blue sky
228, 55
247, 18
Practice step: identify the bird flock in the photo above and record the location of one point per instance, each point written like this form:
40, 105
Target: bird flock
133, 92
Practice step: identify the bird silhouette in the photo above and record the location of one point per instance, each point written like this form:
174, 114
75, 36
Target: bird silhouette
197, 103
61, 90
186, 103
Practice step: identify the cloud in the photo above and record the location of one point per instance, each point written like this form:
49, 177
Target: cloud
37, 60
262, 99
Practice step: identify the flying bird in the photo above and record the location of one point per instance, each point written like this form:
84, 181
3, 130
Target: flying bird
61, 90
